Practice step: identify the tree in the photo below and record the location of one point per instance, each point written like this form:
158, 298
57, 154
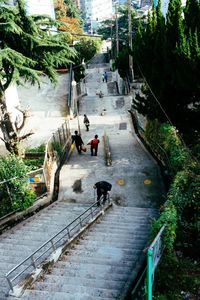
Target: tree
15, 192
27, 50
169, 59
86, 48
66, 8
68, 13
192, 16
108, 28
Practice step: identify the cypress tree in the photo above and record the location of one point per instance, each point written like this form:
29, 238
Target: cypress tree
192, 17
171, 65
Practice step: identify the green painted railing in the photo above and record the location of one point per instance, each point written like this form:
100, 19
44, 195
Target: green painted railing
154, 254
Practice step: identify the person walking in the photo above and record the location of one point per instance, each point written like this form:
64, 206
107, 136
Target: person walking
94, 145
86, 122
105, 77
102, 188
76, 138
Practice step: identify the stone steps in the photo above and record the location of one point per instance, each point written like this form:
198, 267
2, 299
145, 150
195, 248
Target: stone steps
20, 241
99, 264
77, 287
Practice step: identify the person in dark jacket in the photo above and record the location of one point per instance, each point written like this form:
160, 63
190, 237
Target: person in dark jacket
105, 77
76, 138
86, 122
103, 188
94, 145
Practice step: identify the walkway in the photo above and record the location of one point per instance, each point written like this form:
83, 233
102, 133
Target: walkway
137, 192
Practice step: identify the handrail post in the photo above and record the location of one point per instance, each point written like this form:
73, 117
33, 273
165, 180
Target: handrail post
149, 273
68, 232
53, 246
91, 212
33, 262
80, 222
9, 283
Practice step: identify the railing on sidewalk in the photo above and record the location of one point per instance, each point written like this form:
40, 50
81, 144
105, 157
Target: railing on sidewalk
143, 286
58, 144
30, 263
154, 255
107, 152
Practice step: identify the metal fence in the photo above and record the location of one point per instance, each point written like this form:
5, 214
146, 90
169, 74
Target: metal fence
40, 180
143, 287
57, 145
30, 263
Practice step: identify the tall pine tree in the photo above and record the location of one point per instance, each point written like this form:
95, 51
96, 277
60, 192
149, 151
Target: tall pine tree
169, 58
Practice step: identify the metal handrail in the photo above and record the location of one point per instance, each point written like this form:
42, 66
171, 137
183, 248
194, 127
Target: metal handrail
54, 244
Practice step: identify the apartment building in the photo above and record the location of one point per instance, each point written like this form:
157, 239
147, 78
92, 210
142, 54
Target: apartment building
40, 7
95, 11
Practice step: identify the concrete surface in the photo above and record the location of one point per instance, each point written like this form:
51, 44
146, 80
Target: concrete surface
46, 107
131, 162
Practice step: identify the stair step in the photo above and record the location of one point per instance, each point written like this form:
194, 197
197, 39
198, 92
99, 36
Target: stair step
95, 283
116, 254
113, 239
74, 266
105, 248
38, 295
44, 295
126, 243
115, 274
124, 224
106, 232
78, 288
100, 261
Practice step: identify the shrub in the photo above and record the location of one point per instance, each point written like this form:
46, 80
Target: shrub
168, 218
163, 140
180, 213
37, 160
15, 192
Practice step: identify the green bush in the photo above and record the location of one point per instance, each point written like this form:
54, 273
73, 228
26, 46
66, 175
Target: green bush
39, 149
181, 212
57, 147
163, 139
168, 218
37, 162
15, 193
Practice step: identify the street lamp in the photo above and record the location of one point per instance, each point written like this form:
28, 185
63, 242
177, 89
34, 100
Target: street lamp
73, 83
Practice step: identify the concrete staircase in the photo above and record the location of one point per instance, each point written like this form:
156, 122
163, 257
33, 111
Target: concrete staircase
19, 242
100, 264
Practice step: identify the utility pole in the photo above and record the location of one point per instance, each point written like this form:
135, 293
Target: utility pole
117, 30
130, 42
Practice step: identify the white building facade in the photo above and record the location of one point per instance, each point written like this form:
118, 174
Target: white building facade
96, 11
40, 7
